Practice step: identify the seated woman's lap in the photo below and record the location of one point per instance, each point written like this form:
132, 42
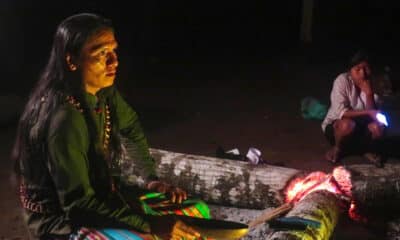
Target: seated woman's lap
359, 136
152, 204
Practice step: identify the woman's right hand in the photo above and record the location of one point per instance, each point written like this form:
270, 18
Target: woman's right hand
365, 86
175, 194
169, 227
372, 114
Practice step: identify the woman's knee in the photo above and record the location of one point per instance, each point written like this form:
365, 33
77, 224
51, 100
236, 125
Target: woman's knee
344, 127
376, 130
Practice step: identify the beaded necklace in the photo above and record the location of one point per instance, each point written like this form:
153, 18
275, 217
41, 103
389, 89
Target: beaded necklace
107, 120
107, 129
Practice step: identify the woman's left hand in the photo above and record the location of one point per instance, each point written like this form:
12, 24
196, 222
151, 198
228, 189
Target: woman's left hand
177, 195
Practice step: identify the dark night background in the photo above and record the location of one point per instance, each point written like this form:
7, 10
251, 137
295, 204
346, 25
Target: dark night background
198, 37
208, 73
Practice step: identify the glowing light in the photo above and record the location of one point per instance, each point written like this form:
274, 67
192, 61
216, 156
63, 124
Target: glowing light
315, 181
382, 119
343, 179
353, 213
338, 183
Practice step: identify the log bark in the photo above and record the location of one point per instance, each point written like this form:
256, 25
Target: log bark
235, 185
369, 170
321, 206
393, 230
374, 191
215, 180
224, 181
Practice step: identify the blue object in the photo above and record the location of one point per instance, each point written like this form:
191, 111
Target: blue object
382, 119
294, 223
311, 108
116, 234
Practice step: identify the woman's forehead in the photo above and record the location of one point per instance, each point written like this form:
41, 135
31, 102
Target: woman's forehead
100, 39
361, 64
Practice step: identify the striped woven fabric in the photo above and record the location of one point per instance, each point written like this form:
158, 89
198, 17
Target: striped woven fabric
152, 204
105, 234
158, 204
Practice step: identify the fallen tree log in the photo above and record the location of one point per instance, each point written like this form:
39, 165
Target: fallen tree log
375, 192
369, 170
215, 180
393, 230
239, 184
319, 206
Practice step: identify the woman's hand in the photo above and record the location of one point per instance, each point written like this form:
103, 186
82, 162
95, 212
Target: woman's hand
183, 231
365, 86
176, 195
168, 227
372, 114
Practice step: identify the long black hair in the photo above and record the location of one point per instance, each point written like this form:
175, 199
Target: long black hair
359, 56
54, 82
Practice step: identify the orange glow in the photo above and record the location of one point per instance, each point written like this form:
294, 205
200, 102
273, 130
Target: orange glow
343, 179
339, 183
354, 215
315, 181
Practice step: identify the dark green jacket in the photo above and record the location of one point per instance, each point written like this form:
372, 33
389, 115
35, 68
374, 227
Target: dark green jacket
71, 181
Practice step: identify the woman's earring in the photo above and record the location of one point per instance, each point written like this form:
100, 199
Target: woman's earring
72, 67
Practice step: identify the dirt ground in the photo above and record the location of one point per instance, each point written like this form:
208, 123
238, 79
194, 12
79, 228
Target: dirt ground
232, 105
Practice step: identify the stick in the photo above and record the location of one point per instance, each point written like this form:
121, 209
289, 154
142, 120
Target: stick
270, 214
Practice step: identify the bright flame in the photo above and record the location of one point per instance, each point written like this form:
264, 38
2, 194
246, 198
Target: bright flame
300, 187
339, 183
343, 179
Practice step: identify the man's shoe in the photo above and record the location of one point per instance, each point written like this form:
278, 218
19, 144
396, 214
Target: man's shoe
375, 159
333, 155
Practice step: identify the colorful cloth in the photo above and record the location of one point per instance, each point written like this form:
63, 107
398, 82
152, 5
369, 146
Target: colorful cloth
105, 234
155, 204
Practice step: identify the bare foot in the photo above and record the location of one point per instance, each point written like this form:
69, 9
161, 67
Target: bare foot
333, 155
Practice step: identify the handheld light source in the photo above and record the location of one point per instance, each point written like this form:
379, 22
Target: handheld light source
382, 119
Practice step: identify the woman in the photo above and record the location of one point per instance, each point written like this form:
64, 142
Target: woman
68, 142
352, 116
